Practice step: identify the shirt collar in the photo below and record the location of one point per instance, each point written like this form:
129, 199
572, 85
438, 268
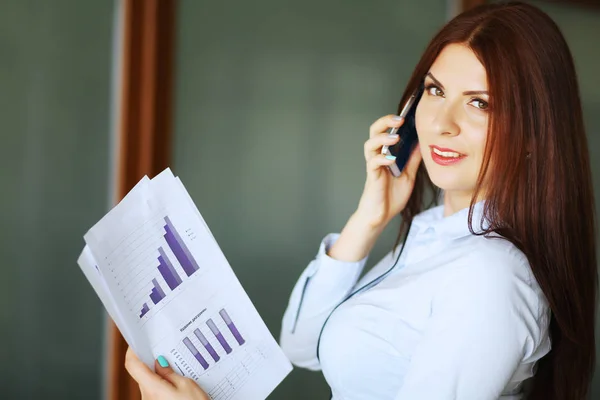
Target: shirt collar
453, 226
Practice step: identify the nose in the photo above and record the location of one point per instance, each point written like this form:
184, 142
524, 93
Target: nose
445, 120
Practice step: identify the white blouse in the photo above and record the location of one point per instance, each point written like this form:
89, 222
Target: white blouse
459, 316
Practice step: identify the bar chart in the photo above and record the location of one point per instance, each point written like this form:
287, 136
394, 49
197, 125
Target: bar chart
166, 267
209, 339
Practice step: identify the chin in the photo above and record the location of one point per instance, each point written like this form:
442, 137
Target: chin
451, 180
452, 186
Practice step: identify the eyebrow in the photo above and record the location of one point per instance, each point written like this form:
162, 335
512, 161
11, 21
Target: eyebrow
467, 93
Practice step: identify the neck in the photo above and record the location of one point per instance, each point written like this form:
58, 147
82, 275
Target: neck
457, 200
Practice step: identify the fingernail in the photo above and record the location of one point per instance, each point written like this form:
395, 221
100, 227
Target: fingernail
397, 118
163, 361
390, 157
393, 135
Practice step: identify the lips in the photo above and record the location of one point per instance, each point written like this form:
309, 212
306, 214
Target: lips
444, 156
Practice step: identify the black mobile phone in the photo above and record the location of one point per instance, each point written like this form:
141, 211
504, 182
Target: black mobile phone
408, 134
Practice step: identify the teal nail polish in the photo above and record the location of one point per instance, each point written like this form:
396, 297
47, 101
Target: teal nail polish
163, 361
390, 157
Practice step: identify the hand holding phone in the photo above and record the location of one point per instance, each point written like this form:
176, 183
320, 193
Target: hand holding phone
384, 196
408, 135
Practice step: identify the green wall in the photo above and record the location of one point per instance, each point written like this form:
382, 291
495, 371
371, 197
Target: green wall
55, 65
273, 104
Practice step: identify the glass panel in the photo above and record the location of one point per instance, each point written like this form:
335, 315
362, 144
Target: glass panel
273, 104
55, 68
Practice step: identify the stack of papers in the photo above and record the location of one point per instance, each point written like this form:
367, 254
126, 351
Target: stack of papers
169, 289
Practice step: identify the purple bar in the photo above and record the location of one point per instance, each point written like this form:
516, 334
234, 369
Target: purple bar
232, 327
218, 335
168, 262
145, 309
167, 274
206, 344
155, 296
180, 249
188, 343
167, 271
158, 288
157, 293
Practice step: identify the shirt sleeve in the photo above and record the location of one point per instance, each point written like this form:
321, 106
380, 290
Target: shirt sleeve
320, 288
484, 323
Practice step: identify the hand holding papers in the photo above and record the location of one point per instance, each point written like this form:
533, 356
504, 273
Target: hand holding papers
169, 289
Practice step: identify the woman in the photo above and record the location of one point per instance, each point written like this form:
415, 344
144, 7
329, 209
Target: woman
498, 283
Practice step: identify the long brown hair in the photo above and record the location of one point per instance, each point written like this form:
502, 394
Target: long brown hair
539, 192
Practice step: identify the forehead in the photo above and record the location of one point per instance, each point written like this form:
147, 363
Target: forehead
458, 66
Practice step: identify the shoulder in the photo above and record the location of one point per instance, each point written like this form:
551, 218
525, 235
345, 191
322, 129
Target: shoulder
496, 258
493, 283
494, 272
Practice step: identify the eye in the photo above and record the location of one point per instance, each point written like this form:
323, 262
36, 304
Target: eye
480, 104
433, 90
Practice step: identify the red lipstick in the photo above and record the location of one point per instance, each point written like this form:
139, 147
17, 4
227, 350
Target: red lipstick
444, 159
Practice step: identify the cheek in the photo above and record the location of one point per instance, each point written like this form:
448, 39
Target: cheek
478, 138
421, 122
425, 114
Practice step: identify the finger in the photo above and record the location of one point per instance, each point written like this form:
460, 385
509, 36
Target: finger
181, 383
376, 163
165, 371
373, 145
384, 123
412, 165
148, 380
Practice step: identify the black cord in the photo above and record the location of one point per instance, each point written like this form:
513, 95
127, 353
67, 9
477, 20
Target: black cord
368, 286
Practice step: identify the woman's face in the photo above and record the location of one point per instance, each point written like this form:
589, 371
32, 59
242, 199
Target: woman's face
452, 119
